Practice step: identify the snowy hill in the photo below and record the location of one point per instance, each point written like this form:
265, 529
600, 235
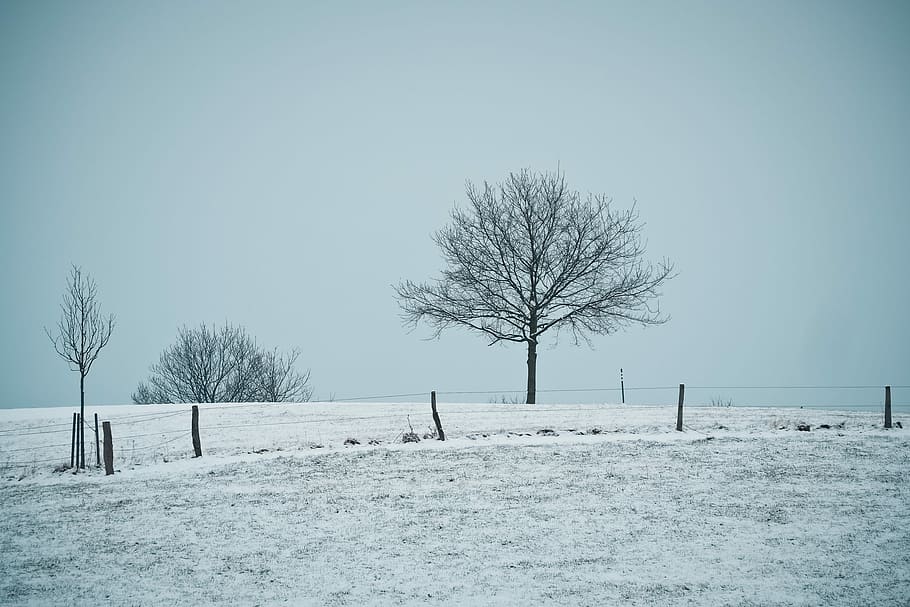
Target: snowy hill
549, 505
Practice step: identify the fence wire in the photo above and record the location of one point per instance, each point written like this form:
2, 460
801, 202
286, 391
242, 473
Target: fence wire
506, 408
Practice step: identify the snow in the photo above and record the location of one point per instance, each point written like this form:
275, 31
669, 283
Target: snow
739, 509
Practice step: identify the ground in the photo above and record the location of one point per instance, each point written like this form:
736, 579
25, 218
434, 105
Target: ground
752, 512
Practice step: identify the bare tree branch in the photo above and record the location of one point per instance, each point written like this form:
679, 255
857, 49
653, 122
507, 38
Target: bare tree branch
280, 381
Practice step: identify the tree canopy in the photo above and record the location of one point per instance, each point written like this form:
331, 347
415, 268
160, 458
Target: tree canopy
529, 256
222, 365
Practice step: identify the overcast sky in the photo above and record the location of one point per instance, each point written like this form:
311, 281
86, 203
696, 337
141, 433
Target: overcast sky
281, 165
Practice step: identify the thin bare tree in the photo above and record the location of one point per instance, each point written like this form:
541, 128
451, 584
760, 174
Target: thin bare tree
529, 256
82, 332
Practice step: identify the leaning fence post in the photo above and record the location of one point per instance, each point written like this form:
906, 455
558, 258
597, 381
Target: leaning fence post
73, 442
682, 393
887, 406
442, 435
97, 450
108, 449
197, 445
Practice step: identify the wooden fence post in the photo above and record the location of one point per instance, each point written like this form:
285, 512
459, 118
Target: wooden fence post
442, 435
79, 438
97, 449
682, 393
108, 449
197, 444
887, 406
73, 449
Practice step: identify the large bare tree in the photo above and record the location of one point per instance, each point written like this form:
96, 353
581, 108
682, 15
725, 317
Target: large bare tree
81, 333
529, 256
222, 365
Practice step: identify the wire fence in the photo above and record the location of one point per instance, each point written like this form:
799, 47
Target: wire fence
860, 398
851, 397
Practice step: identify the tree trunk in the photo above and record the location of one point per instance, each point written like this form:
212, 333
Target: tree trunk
532, 372
82, 422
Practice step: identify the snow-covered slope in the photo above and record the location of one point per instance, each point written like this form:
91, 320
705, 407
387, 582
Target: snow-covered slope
518, 507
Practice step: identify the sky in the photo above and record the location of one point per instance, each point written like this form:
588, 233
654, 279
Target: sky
281, 166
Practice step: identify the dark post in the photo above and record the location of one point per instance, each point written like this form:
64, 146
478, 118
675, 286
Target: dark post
887, 406
81, 453
442, 435
622, 386
78, 439
73, 449
97, 449
682, 393
108, 449
197, 445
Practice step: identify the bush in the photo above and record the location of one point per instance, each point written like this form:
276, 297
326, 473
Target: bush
226, 365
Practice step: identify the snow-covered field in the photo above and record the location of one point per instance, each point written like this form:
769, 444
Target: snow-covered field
550, 505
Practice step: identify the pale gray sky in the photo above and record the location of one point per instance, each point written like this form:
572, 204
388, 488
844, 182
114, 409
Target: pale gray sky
281, 165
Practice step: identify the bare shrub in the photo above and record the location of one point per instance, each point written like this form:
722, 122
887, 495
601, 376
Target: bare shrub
223, 365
